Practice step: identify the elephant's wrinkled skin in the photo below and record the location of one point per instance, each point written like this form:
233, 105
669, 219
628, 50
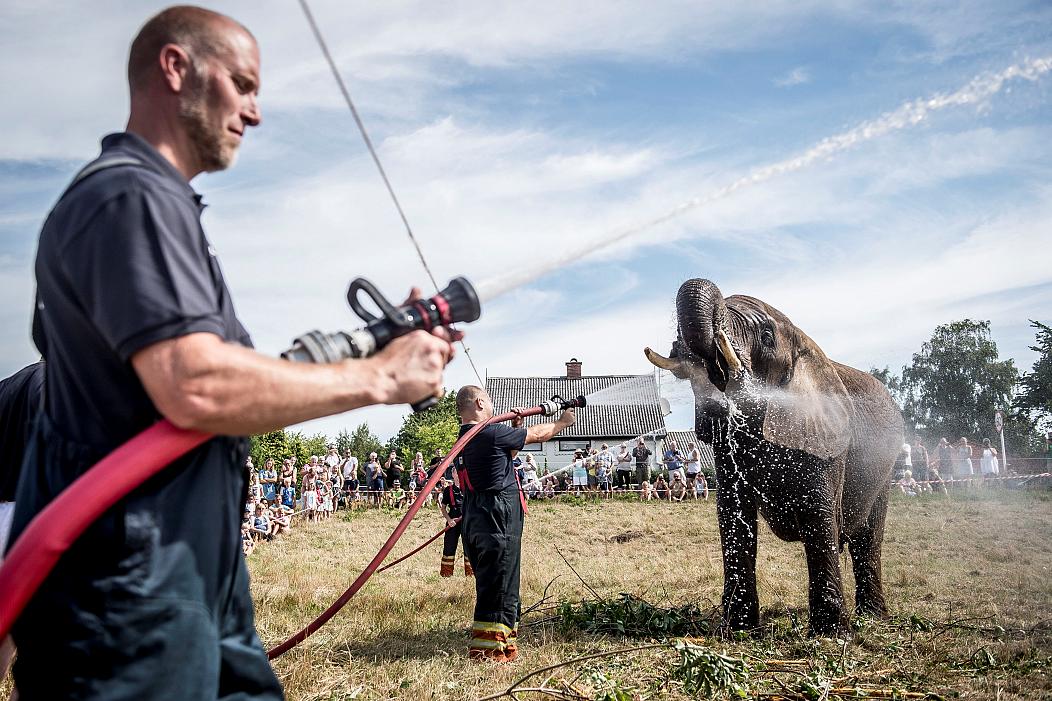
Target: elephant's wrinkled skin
807, 442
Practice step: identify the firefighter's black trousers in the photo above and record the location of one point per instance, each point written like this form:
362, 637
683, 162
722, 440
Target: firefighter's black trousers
492, 528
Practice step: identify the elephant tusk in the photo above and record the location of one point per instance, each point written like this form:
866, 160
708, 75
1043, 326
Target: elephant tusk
660, 360
724, 345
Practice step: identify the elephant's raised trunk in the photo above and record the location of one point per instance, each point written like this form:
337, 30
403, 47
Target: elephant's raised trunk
702, 316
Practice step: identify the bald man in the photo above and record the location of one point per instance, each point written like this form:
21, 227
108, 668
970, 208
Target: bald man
136, 323
493, 516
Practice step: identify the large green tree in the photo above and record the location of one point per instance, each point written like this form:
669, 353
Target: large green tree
890, 380
1035, 395
429, 430
286, 444
957, 382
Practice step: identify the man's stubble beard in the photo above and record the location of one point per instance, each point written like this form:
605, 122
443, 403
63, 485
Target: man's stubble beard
206, 139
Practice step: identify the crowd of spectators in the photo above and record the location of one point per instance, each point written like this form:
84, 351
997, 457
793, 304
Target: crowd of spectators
605, 472
918, 470
325, 485
331, 482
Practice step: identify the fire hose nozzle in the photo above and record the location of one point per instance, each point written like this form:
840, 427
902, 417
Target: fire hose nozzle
457, 302
556, 404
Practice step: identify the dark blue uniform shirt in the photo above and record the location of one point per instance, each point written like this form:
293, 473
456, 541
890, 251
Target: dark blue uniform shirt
122, 263
487, 458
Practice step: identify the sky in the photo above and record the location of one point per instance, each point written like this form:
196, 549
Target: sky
870, 169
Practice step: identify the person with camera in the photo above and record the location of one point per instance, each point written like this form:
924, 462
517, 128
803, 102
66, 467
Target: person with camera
136, 323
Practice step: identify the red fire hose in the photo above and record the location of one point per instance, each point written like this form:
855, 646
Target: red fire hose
60, 523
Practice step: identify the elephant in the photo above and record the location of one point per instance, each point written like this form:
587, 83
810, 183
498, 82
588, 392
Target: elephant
806, 442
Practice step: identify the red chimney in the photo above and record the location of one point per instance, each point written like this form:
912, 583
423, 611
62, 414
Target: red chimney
573, 369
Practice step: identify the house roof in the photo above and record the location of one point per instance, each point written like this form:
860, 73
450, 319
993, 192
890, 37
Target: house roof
684, 439
624, 406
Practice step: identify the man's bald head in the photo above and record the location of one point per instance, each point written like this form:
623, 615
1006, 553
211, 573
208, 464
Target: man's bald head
201, 33
466, 398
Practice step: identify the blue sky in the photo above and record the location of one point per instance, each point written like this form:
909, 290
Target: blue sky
518, 133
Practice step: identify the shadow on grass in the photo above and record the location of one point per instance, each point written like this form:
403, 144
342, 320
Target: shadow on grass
391, 645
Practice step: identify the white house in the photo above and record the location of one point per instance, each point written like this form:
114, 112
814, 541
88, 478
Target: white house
626, 406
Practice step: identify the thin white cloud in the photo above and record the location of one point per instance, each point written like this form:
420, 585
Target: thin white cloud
797, 76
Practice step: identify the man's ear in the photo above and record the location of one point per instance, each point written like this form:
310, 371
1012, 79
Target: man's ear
175, 65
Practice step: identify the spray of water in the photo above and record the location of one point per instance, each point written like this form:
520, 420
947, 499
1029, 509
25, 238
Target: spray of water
626, 392
980, 88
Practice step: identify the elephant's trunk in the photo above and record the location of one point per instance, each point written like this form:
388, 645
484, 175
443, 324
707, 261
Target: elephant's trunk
702, 316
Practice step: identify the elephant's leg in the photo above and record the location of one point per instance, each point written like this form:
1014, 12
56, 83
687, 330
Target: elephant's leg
825, 594
865, 547
736, 512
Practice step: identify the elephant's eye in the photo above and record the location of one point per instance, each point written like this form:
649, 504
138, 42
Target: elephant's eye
767, 338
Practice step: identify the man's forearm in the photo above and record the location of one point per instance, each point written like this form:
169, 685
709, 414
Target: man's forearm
208, 385
540, 433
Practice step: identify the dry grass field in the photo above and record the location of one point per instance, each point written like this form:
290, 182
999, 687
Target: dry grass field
968, 581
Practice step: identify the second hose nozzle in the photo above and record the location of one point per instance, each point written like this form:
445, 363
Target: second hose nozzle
557, 404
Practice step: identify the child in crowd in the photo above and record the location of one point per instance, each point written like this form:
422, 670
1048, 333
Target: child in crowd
255, 490
396, 497
602, 477
350, 487
646, 491
288, 493
247, 544
701, 486
310, 496
936, 484
661, 487
330, 499
580, 471
261, 522
324, 499
677, 490
908, 485
279, 523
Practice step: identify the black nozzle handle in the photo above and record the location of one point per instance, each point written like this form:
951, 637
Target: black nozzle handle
388, 310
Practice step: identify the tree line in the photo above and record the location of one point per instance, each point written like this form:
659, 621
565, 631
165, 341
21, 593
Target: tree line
434, 429
957, 382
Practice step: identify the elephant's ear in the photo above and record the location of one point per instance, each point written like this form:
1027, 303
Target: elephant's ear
811, 412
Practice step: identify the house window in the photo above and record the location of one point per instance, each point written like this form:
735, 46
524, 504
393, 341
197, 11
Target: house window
533, 448
570, 446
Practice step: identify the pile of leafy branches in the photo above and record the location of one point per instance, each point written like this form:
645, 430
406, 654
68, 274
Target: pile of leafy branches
633, 617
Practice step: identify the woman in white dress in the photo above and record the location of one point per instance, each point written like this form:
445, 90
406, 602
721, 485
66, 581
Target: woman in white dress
988, 463
580, 472
964, 459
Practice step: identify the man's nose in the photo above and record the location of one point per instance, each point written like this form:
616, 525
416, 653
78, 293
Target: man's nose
251, 113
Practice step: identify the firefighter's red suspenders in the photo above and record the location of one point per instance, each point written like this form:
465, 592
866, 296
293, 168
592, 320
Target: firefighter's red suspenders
465, 481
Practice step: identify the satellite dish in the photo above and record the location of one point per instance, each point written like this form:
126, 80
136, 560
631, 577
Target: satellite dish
666, 408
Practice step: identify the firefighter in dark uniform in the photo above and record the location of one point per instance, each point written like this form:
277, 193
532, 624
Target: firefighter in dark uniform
136, 323
451, 503
494, 507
